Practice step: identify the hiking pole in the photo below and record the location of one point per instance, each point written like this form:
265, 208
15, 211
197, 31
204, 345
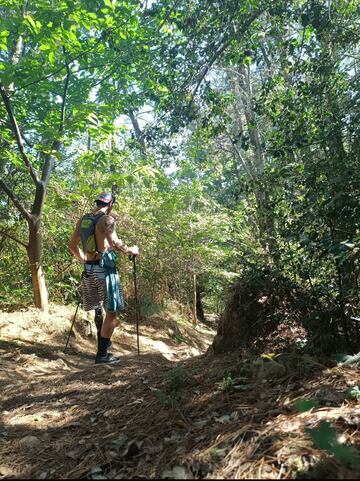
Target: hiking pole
72, 324
133, 258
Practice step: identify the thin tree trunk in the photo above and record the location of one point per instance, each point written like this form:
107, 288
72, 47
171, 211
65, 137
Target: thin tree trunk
265, 219
194, 300
34, 254
34, 247
199, 306
138, 133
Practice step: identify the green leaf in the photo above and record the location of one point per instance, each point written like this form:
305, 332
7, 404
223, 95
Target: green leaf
110, 3
346, 358
34, 25
30, 21
303, 405
146, 170
161, 397
52, 58
353, 392
345, 454
324, 437
93, 119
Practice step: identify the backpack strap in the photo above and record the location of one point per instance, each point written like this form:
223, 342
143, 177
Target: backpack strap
98, 217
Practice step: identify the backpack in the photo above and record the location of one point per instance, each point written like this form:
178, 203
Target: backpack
87, 231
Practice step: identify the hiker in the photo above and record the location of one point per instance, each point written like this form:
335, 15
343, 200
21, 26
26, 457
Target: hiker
100, 282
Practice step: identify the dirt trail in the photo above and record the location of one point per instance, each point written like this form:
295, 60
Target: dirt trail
59, 410
171, 413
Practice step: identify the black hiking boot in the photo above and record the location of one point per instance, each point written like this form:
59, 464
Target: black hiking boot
108, 359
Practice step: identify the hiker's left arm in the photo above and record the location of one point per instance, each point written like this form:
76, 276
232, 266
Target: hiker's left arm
115, 242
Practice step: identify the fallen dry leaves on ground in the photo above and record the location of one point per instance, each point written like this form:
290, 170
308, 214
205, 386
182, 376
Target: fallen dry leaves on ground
174, 412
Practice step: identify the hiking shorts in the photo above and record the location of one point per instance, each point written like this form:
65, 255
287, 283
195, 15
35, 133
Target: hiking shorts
93, 287
101, 287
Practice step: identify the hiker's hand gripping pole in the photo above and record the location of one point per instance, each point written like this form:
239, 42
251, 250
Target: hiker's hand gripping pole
133, 258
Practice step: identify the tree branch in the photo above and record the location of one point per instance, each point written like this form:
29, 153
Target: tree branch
76, 57
17, 134
66, 87
5, 234
138, 133
49, 157
218, 53
247, 169
15, 200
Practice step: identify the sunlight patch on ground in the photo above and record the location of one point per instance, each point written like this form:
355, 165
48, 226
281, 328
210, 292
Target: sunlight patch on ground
153, 345
33, 420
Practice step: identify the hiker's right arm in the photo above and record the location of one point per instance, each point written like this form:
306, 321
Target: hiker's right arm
74, 244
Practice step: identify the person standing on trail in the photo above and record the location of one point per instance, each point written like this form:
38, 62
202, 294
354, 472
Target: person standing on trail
100, 282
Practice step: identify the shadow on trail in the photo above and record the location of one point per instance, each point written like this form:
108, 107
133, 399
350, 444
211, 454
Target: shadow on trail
73, 408
49, 352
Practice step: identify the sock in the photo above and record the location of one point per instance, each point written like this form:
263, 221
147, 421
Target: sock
103, 344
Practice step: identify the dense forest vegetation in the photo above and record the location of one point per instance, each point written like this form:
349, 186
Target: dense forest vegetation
229, 131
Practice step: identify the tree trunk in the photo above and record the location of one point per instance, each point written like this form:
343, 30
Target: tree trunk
34, 255
265, 219
40, 182
199, 308
138, 133
194, 300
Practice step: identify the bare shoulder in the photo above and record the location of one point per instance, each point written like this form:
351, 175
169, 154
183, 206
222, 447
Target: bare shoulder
106, 224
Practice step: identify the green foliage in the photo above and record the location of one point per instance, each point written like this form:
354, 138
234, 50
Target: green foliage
227, 383
175, 385
325, 437
176, 381
346, 359
303, 405
353, 392
162, 398
231, 135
